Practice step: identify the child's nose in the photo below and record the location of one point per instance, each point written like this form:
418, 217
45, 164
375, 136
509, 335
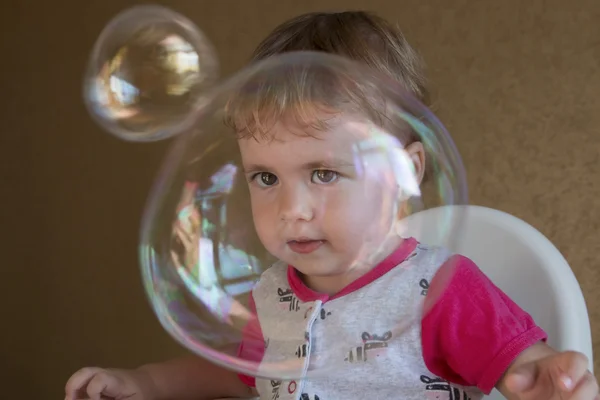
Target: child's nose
296, 205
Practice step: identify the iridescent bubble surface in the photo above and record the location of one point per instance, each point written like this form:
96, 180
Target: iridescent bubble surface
148, 73
305, 161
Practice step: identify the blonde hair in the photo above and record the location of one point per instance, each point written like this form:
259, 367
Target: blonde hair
307, 93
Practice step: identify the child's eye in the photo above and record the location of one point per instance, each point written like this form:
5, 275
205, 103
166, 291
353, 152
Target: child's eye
265, 179
324, 176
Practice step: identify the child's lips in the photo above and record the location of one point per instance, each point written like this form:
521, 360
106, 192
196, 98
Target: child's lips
304, 246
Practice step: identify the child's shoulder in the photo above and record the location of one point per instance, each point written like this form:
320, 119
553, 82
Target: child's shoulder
274, 276
428, 257
445, 265
424, 251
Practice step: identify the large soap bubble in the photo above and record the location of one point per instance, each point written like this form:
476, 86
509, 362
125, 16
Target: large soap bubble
147, 74
295, 178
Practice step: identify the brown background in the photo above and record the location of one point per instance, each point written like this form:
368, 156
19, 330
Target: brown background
517, 84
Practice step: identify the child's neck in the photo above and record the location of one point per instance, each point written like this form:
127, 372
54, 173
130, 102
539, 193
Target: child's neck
333, 284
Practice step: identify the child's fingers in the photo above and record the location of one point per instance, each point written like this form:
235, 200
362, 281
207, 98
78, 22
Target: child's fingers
188, 216
75, 387
586, 389
103, 385
176, 260
572, 367
185, 237
195, 217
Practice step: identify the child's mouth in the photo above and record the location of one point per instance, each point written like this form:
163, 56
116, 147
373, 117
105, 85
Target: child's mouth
304, 246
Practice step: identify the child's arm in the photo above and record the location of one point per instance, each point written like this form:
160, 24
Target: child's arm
188, 378
542, 372
193, 378
473, 334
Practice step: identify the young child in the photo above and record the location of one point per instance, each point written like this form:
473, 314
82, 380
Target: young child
473, 337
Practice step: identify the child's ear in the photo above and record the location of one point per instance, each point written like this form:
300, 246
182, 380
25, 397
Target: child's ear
416, 151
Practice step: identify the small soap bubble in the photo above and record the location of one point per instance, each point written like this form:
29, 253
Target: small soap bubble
148, 73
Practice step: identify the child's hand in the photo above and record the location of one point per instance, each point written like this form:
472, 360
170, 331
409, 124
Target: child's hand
553, 376
109, 384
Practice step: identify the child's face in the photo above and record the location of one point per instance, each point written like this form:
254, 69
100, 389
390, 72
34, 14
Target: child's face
317, 203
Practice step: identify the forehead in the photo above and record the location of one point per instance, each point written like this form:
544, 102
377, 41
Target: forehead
286, 141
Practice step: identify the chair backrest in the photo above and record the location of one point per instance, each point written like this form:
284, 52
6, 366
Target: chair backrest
522, 262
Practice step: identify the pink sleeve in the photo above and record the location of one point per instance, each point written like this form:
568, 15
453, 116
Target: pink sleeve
473, 331
252, 347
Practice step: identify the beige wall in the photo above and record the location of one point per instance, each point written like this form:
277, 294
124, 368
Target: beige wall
517, 84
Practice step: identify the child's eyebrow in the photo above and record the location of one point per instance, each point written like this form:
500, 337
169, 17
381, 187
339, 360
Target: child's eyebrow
316, 164
252, 168
328, 163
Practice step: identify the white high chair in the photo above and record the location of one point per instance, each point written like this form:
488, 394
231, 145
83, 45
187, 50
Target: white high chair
522, 262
